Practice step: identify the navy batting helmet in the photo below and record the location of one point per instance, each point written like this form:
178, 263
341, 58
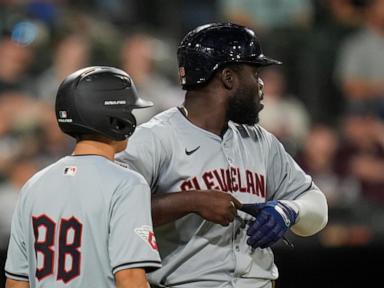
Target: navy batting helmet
98, 101
209, 47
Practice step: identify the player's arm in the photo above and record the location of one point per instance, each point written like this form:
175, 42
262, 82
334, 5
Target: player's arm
16, 284
130, 278
294, 201
132, 243
17, 266
312, 212
292, 186
305, 216
215, 206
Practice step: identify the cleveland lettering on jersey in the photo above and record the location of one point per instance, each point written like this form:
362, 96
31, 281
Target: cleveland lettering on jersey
232, 179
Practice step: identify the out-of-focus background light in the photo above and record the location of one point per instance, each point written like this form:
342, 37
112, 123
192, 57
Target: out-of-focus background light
24, 33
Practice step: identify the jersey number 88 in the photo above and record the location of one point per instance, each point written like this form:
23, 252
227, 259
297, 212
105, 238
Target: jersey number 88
45, 242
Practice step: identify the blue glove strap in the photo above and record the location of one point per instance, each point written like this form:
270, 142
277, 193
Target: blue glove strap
273, 219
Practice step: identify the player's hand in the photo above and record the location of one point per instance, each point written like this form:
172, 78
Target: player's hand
272, 220
217, 206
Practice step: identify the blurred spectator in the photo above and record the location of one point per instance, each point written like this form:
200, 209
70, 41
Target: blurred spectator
28, 129
71, 53
361, 153
138, 58
15, 60
118, 11
268, 15
283, 115
361, 62
318, 158
18, 115
318, 55
344, 12
45, 11
352, 221
195, 12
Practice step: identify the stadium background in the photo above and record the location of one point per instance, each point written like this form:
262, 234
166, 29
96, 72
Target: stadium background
326, 103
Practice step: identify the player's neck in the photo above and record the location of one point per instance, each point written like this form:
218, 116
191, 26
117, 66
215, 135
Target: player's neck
86, 147
206, 114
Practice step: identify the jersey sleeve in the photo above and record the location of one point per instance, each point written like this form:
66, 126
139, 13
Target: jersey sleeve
144, 154
285, 179
132, 243
16, 266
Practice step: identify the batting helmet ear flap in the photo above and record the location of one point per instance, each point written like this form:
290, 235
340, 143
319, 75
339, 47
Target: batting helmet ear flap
124, 126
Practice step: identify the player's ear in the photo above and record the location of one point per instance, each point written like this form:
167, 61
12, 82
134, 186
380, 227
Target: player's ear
228, 78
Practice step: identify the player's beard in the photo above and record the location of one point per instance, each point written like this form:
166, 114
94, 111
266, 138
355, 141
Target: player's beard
244, 107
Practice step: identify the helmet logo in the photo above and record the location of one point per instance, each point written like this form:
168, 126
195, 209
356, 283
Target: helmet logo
114, 102
63, 117
63, 114
182, 75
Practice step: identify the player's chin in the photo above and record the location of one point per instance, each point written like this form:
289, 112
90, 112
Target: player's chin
255, 118
250, 119
258, 108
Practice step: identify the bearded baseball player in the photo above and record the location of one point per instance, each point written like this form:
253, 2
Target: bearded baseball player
223, 188
85, 221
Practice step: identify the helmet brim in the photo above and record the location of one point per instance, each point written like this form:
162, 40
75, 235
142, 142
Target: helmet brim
141, 103
260, 61
266, 61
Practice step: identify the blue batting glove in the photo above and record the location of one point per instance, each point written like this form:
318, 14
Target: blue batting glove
272, 220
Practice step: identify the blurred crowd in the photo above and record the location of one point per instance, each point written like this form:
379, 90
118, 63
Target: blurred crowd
326, 103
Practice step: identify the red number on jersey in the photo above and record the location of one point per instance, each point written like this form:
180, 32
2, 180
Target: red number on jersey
69, 247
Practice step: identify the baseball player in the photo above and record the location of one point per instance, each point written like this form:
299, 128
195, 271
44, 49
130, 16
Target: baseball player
85, 221
208, 159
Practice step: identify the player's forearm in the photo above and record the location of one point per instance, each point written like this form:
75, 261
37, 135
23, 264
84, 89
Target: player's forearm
131, 278
16, 284
167, 208
313, 213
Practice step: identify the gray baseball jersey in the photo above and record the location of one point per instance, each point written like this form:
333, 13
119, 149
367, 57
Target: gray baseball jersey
79, 221
174, 155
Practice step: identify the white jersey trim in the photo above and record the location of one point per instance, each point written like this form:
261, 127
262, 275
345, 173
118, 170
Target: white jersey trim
149, 266
19, 277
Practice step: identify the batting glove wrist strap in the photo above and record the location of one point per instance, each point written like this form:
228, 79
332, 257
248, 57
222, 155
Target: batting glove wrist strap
287, 212
272, 220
